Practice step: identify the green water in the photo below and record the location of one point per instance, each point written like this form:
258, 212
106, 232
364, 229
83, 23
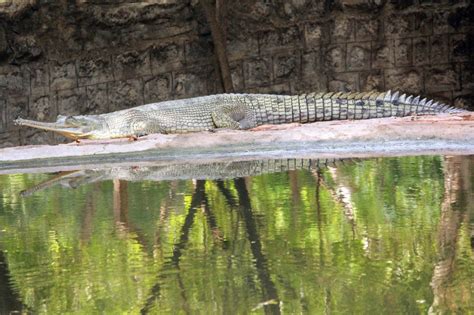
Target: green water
377, 236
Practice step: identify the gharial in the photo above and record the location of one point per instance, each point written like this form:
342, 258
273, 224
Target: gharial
238, 111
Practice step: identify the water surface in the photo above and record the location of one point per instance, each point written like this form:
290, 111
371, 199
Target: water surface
387, 235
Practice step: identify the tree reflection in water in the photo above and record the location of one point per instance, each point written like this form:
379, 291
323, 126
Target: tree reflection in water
456, 210
10, 302
381, 235
269, 293
197, 200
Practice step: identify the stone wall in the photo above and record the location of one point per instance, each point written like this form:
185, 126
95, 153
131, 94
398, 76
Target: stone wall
91, 56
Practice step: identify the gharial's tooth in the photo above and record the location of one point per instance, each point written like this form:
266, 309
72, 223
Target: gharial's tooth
402, 98
416, 100
435, 105
423, 102
388, 96
380, 97
395, 96
430, 102
409, 99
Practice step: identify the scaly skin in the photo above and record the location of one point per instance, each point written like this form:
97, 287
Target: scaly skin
238, 111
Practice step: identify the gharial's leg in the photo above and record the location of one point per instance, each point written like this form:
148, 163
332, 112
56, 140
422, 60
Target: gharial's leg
238, 116
223, 120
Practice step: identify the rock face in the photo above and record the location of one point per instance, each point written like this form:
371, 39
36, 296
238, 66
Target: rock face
91, 56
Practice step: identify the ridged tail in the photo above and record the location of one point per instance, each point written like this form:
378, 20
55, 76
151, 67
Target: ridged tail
340, 106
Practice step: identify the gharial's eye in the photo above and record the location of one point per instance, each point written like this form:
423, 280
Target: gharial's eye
81, 121
71, 120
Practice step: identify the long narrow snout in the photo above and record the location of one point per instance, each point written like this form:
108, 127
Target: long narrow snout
61, 127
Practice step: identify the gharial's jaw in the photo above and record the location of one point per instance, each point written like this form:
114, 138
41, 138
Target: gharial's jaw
74, 127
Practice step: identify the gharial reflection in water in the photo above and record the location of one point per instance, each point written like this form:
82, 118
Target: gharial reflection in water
204, 170
379, 235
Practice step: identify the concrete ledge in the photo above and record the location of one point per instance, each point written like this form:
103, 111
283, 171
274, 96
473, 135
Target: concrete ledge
440, 134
